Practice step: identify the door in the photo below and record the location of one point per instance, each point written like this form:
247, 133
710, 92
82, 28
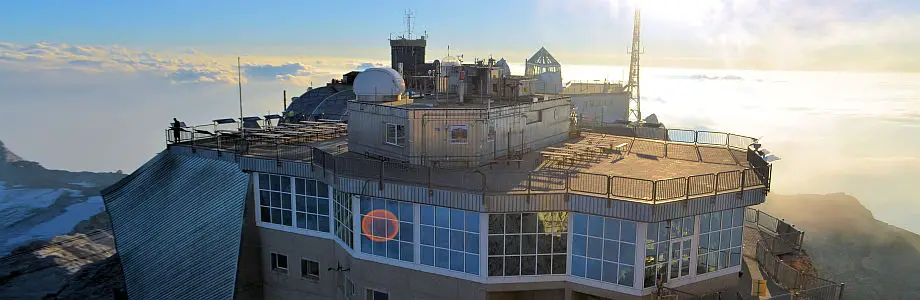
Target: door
680, 258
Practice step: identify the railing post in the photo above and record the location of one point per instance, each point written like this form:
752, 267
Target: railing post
608, 185
687, 192
654, 191
742, 182
715, 189
840, 291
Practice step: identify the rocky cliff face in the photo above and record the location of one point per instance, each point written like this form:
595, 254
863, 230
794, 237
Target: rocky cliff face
37, 204
847, 244
53, 233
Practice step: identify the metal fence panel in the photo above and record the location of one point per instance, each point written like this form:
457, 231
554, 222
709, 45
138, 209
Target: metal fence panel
589, 183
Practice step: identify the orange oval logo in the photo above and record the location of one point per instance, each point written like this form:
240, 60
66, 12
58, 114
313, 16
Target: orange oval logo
380, 225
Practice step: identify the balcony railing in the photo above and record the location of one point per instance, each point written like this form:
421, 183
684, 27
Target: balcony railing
756, 174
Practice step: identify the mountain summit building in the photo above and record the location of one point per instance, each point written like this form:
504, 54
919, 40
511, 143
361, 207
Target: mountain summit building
466, 183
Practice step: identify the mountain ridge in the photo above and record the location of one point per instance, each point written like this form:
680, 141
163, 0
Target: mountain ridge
875, 260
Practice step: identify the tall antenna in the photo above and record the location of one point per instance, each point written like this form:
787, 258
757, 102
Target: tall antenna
239, 74
632, 85
408, 24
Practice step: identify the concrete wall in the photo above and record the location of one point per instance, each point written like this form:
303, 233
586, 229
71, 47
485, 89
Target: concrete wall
601, 107
429, 130
248, 272
400, 283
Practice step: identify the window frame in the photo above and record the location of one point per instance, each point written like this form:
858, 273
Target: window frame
560, 233
275, 262
464, 232
397, 140
603, 239
303, 272
369, 293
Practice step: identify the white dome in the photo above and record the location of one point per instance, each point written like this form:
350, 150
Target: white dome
380, 84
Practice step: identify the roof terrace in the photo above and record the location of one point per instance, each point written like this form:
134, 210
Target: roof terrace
683, 165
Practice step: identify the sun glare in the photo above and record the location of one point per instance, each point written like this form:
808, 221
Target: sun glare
683, 11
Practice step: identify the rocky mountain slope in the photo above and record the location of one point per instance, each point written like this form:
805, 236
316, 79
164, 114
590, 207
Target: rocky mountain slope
37, 204
847, 244
54, 237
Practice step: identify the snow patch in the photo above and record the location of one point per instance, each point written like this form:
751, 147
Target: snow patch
85, 184
16, 204
61, 224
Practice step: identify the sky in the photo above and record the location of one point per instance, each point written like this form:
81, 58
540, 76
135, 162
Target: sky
778, 34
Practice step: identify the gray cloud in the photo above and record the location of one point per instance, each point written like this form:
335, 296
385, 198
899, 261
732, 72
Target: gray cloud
284, 71
367, 65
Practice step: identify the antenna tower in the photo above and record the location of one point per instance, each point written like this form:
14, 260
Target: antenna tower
408, 24
632, 87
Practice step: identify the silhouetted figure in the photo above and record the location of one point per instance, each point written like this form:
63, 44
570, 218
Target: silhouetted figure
176, 129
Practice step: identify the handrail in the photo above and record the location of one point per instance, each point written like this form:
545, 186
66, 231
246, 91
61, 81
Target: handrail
755, 175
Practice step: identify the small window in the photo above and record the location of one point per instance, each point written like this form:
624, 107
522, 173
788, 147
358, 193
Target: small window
377, 295
309, 269
279, 262
395, 135
348, 288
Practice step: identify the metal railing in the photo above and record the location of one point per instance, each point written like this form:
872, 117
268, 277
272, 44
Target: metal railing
756, 175
776, 237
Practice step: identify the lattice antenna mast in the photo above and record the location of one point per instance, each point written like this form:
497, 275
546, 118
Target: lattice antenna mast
408, 24
632, 87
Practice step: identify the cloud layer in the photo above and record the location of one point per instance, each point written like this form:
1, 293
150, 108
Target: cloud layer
188, 66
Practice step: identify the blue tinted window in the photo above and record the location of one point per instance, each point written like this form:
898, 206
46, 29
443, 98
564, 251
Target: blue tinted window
427, 215
442, 217
472, 222
427, 255
452, 242
456, 219
606, 247
580, 224
628, 232
427, 235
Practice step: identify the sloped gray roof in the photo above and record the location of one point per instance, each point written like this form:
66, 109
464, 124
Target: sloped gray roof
177, 222
542, 57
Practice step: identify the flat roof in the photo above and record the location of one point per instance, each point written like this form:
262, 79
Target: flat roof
452, 101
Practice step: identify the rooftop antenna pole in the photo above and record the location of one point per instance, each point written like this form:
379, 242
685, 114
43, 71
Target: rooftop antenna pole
408, 24
632, 86
239, 74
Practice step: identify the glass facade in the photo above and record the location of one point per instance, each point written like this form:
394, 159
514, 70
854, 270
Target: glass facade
297, 202
604, 249
527, 243
720, 240
275, 199
387, 228
449, 238
344, 221
311, 204
667, 250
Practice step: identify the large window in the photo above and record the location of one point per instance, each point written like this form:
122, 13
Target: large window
667, 250
297, 202
395, 134
449, 238
720, 240
386, 228
275, 199
527, 243
604, 249
312, 204
344, 223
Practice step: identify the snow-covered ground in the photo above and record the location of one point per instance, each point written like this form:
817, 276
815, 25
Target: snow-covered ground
61, 224
40, 214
